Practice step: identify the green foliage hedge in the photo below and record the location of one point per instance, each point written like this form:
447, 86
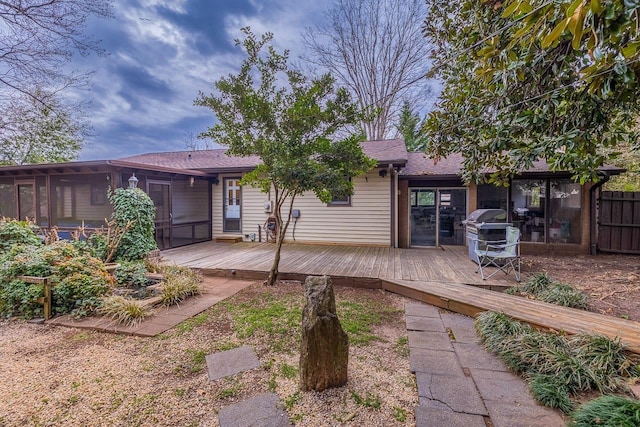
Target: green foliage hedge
79, 280
134, 207
13, 232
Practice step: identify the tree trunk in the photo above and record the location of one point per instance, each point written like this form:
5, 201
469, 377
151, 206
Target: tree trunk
273, 273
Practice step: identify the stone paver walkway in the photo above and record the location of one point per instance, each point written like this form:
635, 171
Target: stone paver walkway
262, 410
231, 362
215, 289
459, 382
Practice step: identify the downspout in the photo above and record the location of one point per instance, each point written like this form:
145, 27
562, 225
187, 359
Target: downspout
393, 204
593, 244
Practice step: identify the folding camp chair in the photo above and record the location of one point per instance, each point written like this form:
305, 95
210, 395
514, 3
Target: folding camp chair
502, 254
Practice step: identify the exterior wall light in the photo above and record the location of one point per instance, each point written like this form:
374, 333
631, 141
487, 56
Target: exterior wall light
133, 181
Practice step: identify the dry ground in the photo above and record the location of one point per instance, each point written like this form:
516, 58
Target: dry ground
56, 376
612, 282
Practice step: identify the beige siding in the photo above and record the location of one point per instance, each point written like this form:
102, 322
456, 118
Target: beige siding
84, 209
366, 221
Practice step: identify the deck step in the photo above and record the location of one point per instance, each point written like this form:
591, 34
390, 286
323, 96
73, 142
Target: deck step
470, 300
229, 239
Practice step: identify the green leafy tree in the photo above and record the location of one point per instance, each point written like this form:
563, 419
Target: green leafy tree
409, 126
532, 79
35, 132
293, 124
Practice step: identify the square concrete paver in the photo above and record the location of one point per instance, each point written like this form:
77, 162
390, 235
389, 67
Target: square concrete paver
231, 362
432, 340
420, 323
262, 410
457, 393
510, 415
433, 417
472, 355
461, 327
435, 362
502, 387
424, 310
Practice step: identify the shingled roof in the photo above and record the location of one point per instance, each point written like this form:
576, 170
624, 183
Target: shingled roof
385, 152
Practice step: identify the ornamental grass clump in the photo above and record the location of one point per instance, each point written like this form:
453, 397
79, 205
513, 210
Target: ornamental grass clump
541, 287
557, 367
607, 411
179, 283
125, 311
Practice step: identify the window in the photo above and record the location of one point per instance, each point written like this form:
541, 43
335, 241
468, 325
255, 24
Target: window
98, 195
547, 211
341, 200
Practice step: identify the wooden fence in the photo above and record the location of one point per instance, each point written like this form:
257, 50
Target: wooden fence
619, 222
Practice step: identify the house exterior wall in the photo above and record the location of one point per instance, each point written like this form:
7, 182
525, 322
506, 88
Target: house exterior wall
366, 221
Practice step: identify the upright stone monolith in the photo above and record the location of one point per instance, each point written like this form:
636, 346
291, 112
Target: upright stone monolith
324, 353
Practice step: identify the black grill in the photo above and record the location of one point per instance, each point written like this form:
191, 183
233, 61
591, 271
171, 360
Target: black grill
486, 225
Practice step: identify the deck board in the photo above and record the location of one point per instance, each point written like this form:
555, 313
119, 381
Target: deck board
451, 264
470, 300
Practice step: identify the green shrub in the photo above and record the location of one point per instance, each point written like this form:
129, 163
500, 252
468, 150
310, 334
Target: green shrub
607, 411
133, 208
131, 273
179, 284
14, 232
124, 311
551, 391
78, 280
18, 298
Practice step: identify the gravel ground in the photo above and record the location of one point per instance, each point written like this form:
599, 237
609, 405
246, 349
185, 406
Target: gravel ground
56, 376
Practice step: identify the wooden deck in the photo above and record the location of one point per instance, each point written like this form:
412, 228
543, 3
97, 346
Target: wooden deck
435, 276
360, 264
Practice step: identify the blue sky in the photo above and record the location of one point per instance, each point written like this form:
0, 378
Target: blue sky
161, 53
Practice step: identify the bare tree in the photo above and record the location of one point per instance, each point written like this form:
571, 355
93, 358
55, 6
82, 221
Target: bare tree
193, 143
38, 38
377, 50
38, 129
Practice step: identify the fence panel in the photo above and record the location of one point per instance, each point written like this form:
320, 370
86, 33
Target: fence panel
619, 222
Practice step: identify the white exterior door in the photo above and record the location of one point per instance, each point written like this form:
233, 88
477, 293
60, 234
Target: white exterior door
232, 204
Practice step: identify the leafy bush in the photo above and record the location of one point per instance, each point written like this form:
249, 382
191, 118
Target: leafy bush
132, 273
607, 411
134, 209
179, 283
19, 298
78, 280
124, 311
13, 232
